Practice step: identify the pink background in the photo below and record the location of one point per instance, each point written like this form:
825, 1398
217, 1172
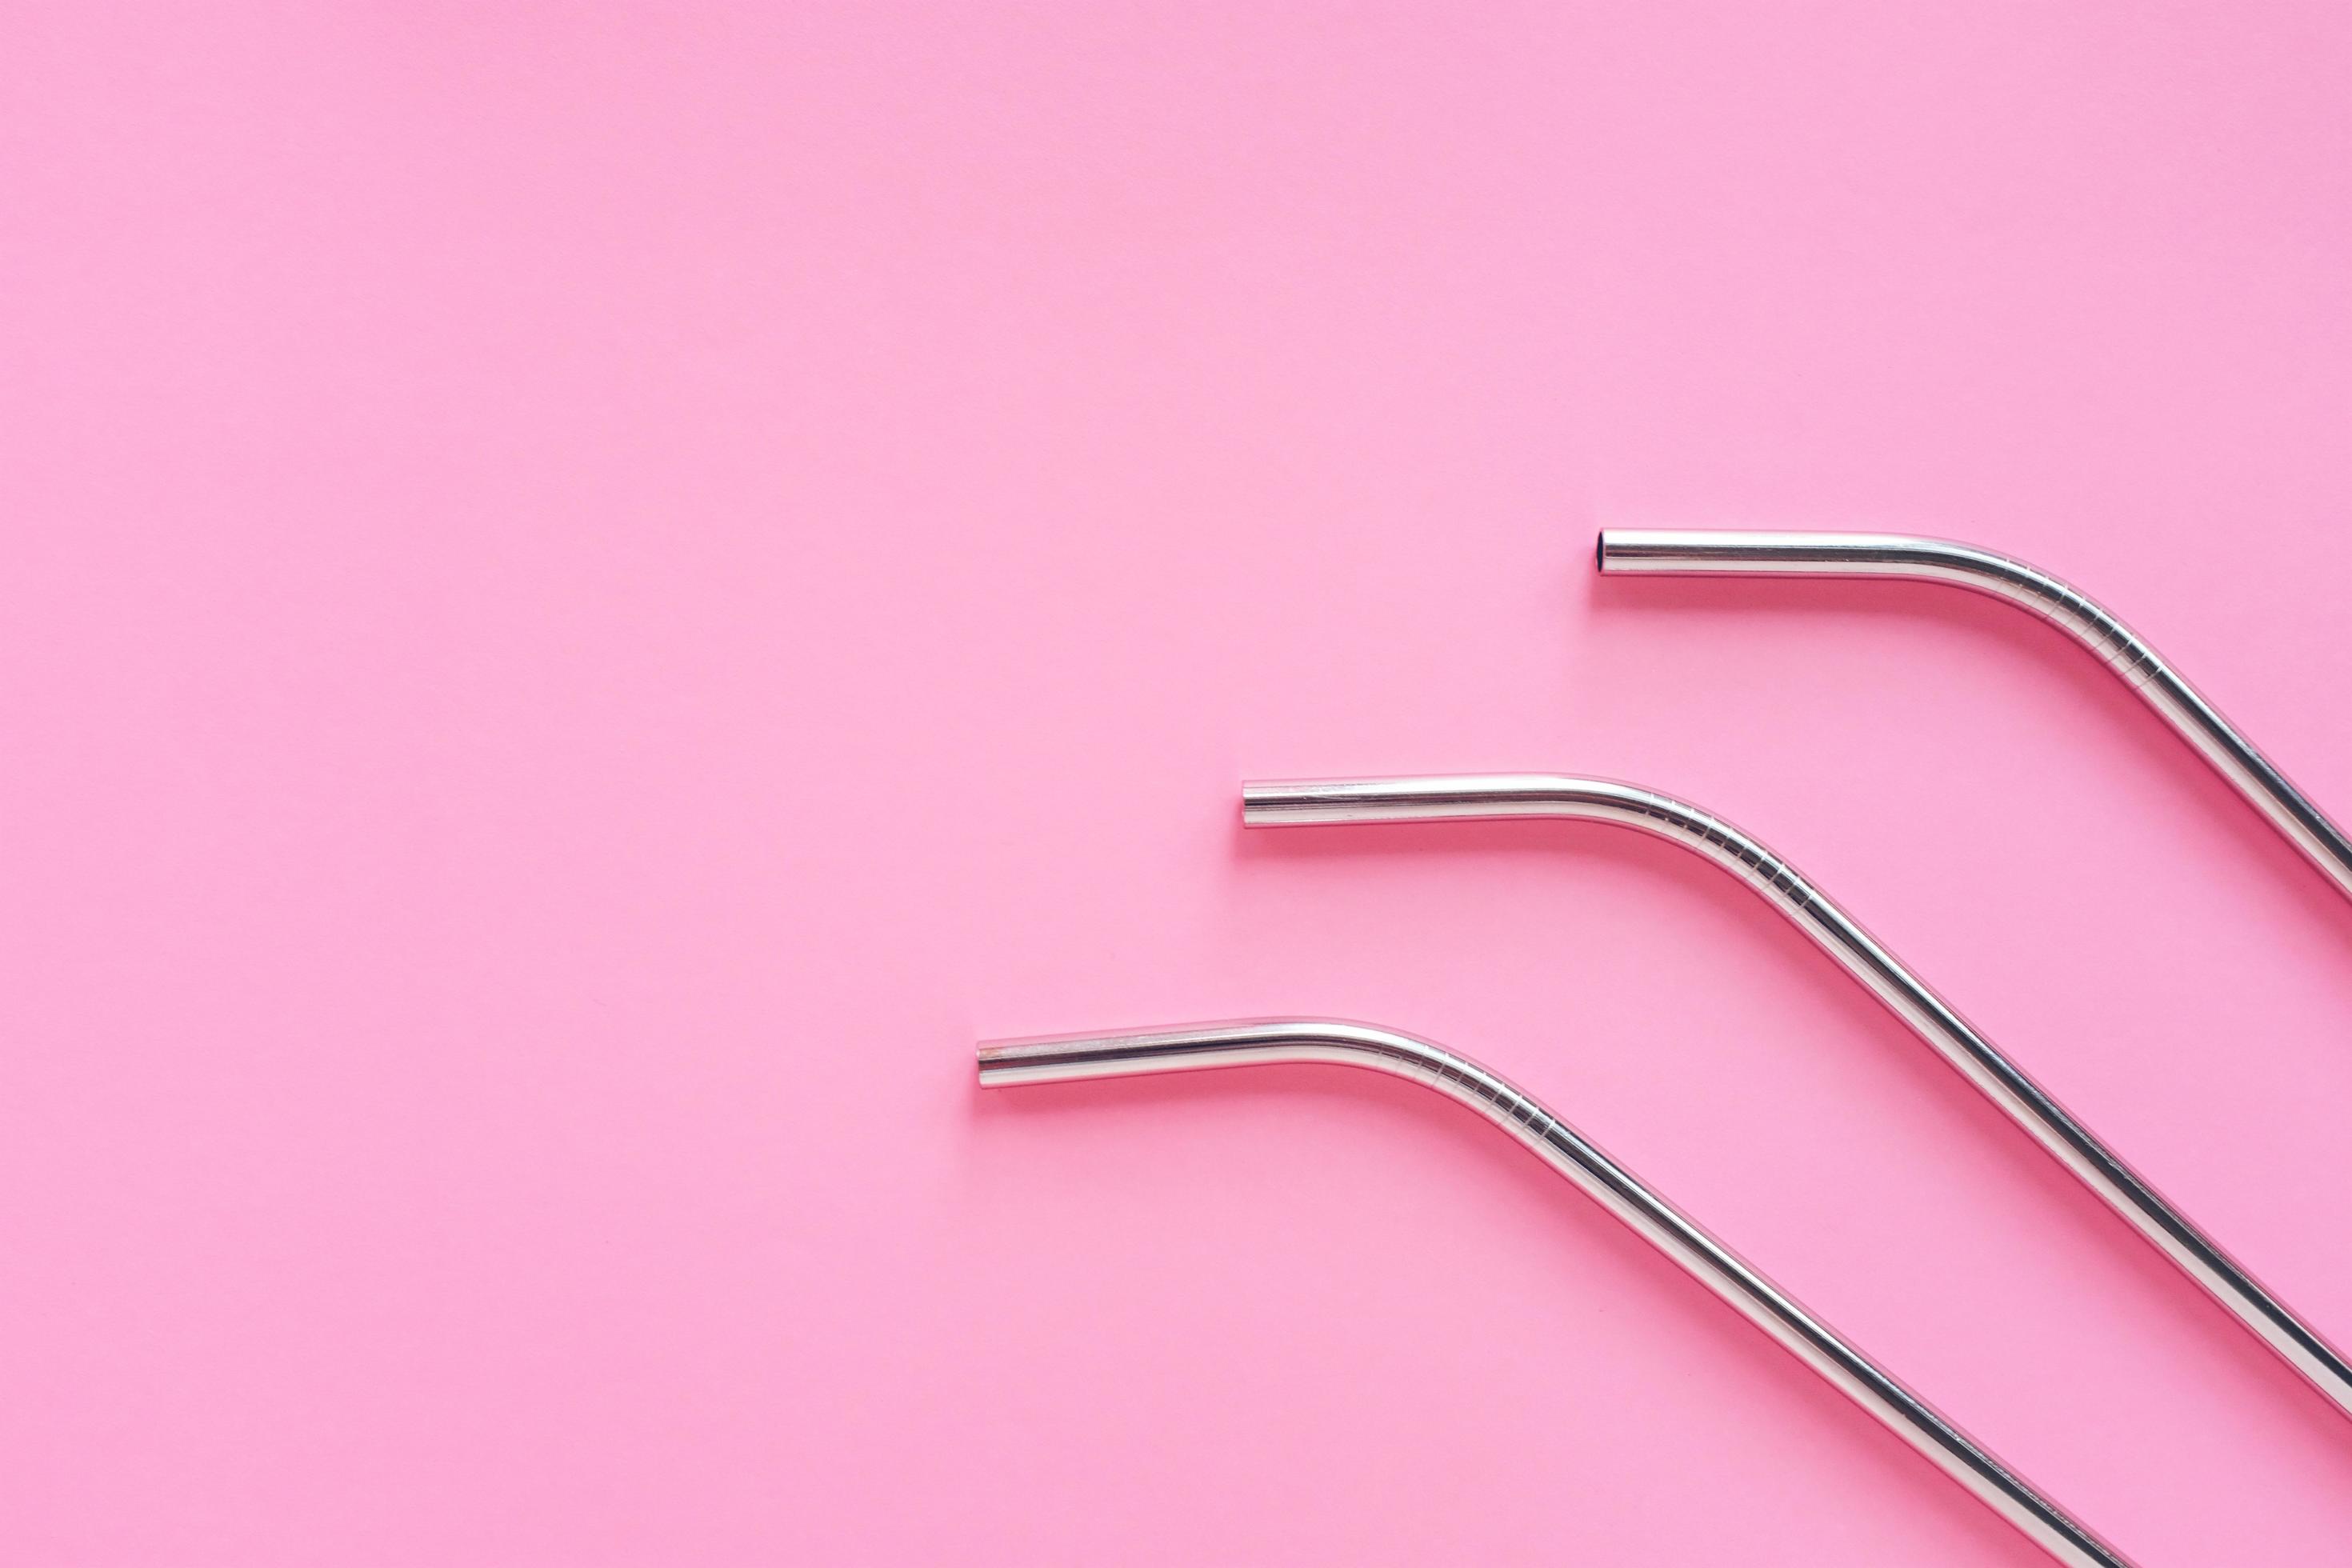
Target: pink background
591, 598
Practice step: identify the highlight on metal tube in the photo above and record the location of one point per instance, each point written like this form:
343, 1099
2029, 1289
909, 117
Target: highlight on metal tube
1903, 994
1712, 552
1608, 1184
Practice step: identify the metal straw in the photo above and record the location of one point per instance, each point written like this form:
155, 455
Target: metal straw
1601, 1179
1905, 995
2125, 652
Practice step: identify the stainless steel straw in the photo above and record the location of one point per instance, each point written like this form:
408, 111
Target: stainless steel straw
1601, 1179
2125, 654
1905, 995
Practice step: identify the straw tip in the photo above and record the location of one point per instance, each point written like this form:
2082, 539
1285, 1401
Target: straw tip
998, 1061
1265, 802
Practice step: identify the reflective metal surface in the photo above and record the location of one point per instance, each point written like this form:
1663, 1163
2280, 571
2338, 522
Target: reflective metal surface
2123, 651
1606, 1182
1934, 1020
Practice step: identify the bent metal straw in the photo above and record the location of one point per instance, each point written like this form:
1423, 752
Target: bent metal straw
1605, 1181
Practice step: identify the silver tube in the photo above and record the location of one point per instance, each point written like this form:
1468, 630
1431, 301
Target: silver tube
2124, 651
1605, 1181
1905, 995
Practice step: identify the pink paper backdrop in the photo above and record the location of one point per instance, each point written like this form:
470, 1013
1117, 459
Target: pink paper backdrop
593, 596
